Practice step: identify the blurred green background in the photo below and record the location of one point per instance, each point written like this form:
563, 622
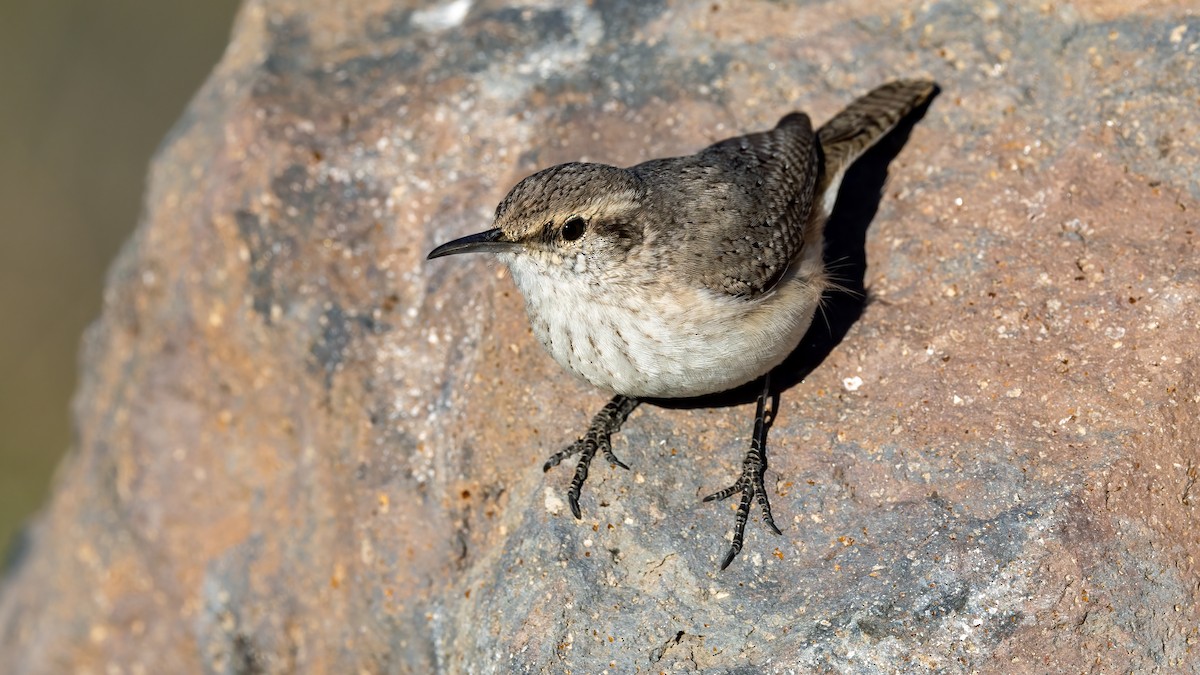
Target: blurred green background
87, 90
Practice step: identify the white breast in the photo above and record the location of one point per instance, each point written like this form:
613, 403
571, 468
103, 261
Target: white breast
660, 341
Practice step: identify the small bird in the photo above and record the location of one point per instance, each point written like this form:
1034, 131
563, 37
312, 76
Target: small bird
684, 276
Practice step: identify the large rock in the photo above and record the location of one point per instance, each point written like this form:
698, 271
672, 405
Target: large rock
302, 448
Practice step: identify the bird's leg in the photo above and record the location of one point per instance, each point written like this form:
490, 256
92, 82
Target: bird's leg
750, 483
598, 437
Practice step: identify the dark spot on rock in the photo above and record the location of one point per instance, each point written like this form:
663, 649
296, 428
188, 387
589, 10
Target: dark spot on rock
529, 159
622, 19
329, 349
953, 600
293, 189
245, 656
265, 249
878, 628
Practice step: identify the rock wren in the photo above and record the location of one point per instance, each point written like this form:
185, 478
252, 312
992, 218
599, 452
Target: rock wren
684, 276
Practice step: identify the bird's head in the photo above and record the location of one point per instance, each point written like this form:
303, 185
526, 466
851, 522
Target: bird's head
571, 219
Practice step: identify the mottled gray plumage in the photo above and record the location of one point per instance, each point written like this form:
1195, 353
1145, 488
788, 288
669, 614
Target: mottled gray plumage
688, 275
861, 124
739, 206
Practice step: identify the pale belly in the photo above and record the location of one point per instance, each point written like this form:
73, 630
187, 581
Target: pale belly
658, 345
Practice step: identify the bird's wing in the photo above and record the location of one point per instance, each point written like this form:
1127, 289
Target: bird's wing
741, 205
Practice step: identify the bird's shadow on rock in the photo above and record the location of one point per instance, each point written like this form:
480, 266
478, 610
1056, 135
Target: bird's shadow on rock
845, 259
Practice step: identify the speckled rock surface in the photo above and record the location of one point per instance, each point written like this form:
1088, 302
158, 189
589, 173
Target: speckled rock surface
302, 448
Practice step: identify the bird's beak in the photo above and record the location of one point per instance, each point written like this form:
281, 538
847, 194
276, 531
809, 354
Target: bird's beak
488, 241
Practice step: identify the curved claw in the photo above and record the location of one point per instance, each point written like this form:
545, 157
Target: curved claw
766, 508
604, 442
598, 438
557, 458
612, 459
733, 552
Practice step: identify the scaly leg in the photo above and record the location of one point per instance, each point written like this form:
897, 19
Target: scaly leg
598, 437
750, 483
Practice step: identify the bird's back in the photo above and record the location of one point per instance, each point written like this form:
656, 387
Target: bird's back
737, 209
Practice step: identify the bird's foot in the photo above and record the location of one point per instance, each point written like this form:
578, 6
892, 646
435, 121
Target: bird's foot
598, 437
750, 483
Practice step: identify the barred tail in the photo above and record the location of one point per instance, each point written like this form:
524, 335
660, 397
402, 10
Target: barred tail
854, 130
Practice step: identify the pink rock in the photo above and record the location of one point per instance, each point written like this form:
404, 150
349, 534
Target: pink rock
302, 448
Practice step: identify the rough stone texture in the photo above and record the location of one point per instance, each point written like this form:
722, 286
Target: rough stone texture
302, 448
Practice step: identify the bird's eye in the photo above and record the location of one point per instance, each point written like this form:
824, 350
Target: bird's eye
573, 228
